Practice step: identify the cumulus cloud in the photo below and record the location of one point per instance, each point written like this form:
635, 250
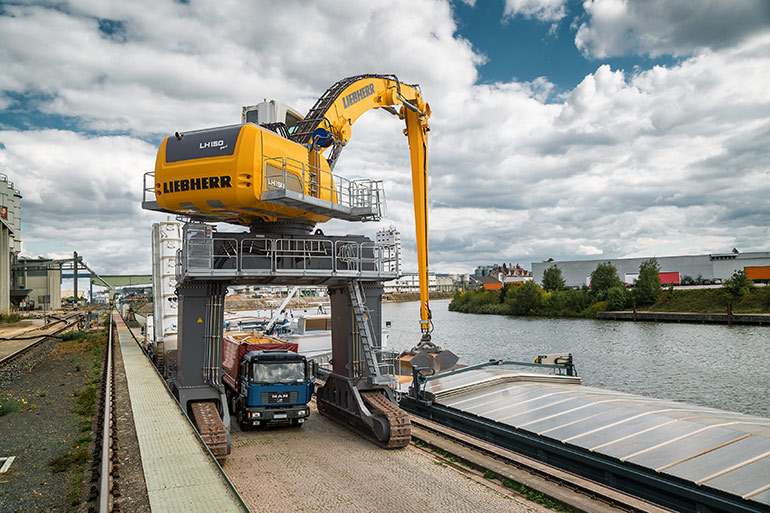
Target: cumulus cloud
667, 160
543, 10
660, 27
81, 193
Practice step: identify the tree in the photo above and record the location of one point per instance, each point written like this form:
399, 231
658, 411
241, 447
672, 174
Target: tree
525, 300
604, 277
738, 285
647, 288
552, 279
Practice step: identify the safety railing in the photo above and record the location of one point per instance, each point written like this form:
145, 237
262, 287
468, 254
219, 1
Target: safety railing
148, 191
281, 256
288, 174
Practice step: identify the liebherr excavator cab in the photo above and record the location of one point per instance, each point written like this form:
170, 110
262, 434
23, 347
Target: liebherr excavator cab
273, 174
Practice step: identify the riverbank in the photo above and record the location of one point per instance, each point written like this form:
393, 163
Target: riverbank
531, 300
692, 317
403, 297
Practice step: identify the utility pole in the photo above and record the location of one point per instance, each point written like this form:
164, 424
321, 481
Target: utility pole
75, 275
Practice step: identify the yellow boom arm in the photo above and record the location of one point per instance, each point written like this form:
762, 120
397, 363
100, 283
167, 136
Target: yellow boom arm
341, 106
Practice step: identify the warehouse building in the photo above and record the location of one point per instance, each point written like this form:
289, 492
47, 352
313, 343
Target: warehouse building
708, 268
10, 237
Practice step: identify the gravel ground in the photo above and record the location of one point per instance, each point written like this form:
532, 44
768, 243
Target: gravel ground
325, 467
132, 485
42, 429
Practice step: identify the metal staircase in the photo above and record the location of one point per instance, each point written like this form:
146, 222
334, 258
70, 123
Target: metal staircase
365, 330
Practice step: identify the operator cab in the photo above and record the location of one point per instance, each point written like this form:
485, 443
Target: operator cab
275, 367
272, 115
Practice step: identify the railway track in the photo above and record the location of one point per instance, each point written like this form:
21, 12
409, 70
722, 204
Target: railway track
575, 491
105, 491
37, 339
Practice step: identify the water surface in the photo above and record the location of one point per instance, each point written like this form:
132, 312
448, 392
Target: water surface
720, 366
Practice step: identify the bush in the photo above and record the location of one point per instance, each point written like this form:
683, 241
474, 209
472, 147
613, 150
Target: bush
525, 300
8, 405
579, 300
738, 285
594, 309
618, 298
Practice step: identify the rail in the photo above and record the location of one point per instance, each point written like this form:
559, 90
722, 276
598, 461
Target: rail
571, 489
38, 339
283, 256
107, 503
419, 379
148, 190
364, 196
222, 473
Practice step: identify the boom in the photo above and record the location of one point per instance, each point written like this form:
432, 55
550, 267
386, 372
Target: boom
329, 123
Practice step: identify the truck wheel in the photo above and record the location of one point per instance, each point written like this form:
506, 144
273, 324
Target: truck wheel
230, 401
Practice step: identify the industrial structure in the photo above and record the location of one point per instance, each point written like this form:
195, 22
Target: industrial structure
711, 268
10, 238
269, 174
390, 238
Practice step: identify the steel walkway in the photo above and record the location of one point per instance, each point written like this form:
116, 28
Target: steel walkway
179, 472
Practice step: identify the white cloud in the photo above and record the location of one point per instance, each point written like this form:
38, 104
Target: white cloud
543, 10
589, 250
660, 27
672, 158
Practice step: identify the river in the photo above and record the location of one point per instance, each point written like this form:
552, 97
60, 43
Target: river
724, 367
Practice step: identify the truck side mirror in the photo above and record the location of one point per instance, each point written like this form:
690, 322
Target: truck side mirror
311, 368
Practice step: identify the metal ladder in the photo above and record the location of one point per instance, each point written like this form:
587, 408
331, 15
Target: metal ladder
365, 329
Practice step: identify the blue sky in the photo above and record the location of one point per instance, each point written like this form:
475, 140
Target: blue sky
525, 48
561, 129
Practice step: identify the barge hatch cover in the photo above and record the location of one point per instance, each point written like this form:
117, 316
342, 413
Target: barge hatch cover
705, 448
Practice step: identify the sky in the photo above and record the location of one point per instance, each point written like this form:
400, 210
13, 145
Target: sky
560, 129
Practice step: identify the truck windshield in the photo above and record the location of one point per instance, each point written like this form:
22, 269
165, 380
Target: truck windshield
278, 372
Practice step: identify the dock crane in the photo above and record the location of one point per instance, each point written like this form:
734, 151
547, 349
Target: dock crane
273, 174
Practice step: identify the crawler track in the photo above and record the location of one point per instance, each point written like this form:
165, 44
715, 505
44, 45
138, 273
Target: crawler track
398, 420
573, 490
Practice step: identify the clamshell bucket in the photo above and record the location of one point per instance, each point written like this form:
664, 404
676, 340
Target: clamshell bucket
427, 355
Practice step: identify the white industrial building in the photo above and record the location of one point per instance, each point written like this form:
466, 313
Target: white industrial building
717, 266
10, 238
409, 282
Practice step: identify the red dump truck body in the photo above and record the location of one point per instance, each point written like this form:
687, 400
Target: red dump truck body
671, 278
234, 347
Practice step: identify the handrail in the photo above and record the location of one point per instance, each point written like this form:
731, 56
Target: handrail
269, 255
150, 189
315, 182
419, 380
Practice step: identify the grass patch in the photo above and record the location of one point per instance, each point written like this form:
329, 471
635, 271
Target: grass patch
535, 496
65, 461
9, 405
10, 318
90, 346
85, 399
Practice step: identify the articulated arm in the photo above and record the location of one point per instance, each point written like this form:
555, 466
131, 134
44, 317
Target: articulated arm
340, 107
417, 131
